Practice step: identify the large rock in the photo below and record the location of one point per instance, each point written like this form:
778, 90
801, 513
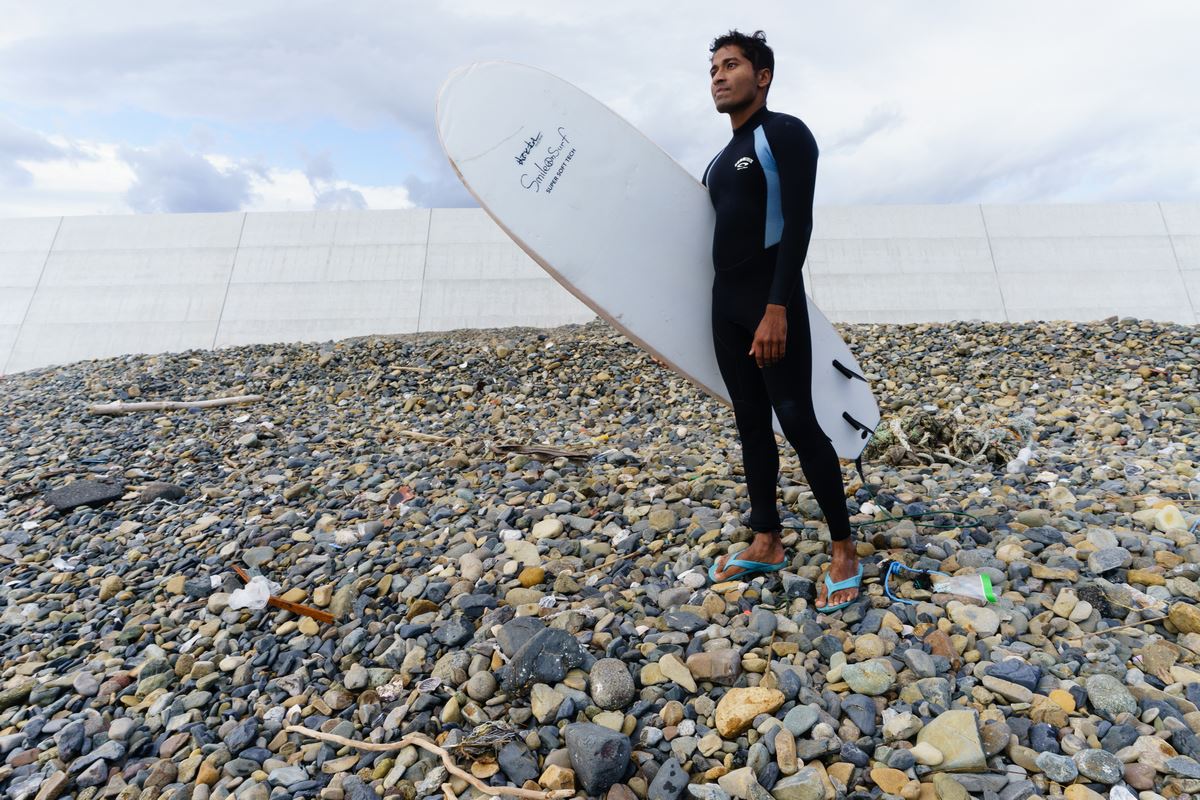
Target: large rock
669, 782
513, 634
545, 658
955, 734
1060, 769
980, 619
598, 755
874, 677
83, 493
1109, 697
804, 785
612, 686
1185, 617
1099, 766
739, 707
518, 763
718, 666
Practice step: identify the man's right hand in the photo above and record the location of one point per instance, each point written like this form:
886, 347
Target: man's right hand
770, 340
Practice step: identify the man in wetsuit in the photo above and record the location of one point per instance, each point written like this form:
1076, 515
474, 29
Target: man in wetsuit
761, 185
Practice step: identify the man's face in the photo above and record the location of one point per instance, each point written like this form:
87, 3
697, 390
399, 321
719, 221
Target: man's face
734, 84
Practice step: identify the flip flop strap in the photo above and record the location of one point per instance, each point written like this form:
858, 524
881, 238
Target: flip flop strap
849, 583
758, 565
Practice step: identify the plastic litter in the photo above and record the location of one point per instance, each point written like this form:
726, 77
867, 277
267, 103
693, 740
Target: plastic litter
977, 587
1021, 461
254, 595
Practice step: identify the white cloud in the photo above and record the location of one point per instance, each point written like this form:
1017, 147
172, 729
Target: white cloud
1084, 100
76, 178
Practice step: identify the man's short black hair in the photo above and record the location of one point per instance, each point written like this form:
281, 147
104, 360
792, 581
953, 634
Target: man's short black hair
754, 47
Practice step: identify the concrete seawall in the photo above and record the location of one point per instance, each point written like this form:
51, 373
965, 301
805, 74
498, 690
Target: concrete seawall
88, 287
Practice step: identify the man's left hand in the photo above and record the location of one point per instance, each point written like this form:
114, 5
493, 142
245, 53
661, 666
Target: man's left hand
770, 340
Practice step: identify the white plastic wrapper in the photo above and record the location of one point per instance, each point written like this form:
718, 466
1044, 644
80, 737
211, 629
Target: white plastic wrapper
254, 595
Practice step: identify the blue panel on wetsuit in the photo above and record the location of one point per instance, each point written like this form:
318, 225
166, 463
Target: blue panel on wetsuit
774, 216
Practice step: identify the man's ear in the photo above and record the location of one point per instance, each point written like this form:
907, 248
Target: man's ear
764, 77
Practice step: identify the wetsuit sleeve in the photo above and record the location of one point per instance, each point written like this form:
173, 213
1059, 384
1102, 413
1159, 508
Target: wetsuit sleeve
795, 152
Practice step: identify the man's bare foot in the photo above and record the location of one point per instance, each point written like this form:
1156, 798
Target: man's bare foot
767, 548
843, 566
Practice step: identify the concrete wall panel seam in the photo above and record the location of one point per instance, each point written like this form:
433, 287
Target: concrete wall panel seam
229, 281
1179, 266
32, 296
992, 255
424, 265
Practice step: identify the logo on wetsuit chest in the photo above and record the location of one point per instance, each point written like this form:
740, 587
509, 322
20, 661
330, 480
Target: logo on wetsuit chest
742, 163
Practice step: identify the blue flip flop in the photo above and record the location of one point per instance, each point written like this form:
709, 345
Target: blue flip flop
748, 568
831, 587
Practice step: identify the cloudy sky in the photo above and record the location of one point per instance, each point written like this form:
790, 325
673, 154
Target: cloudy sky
131, 107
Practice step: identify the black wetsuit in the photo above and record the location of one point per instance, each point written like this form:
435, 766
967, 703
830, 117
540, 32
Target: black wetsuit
761, 186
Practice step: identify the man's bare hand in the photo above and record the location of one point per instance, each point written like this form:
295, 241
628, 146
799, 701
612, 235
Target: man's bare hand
770, 340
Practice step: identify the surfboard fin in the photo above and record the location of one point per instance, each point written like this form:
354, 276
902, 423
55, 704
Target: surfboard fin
849, 373
863, 430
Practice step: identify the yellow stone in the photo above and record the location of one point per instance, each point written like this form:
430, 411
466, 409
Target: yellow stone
531, 576
322, 595
1168, 559
1063, 700
651, 674
556, 777
309, 626
1078, 791
208, 774
841, 772
1145, 577
294, 595
1185, 617
175, 584
784, 649
888, 779
739, 707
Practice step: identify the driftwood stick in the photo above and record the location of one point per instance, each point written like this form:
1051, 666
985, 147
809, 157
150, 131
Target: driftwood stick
169, 405
447, 761
420, 437
1150, 621
288, 605
538, 450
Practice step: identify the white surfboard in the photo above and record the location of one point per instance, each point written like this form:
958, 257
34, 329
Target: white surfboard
618, 223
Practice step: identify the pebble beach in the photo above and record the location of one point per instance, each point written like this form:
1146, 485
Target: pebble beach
504, 536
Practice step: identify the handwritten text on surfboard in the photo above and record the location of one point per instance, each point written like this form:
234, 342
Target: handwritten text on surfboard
547, 164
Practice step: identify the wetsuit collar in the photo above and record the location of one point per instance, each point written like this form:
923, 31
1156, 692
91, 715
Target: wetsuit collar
753, 122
